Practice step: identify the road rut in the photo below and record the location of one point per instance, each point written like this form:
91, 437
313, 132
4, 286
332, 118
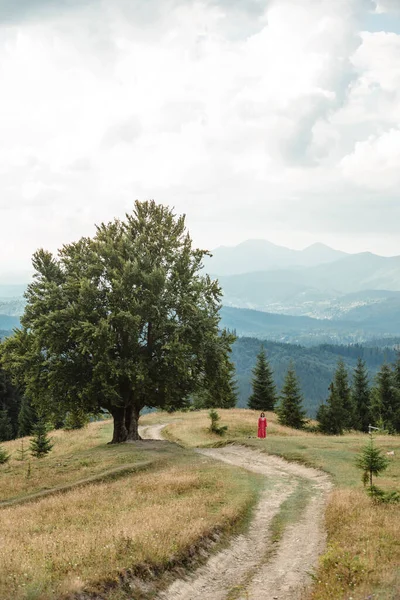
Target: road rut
252, 566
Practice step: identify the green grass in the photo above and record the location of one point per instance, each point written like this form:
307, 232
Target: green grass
291, 509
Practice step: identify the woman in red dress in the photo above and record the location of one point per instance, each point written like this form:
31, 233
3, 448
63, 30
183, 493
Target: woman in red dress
262, 426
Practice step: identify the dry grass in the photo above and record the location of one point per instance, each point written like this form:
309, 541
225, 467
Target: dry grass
363, 554
66, 542
76, 455
191, 428
333, 454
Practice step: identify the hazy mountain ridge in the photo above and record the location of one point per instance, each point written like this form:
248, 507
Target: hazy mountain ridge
330, 289
305, 330
358, 293
262, 255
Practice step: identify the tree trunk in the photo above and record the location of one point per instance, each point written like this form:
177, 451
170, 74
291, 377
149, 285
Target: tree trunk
125, 424
120, 432
132, 422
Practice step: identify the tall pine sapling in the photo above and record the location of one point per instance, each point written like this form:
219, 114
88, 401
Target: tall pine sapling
372, 462
264, 390
40, 444
22, 452
214, 427
290, 410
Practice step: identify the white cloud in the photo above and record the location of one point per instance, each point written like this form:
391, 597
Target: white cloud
247, 115
375, 162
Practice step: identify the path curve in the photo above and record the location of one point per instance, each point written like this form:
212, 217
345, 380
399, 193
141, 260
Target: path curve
252, 567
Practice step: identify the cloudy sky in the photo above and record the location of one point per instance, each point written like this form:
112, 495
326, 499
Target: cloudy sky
274, 119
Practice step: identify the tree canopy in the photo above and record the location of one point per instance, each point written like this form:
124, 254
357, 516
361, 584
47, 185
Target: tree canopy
264, 389
120, 321
290, 410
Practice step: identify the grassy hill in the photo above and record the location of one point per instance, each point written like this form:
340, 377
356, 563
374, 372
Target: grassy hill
103, 534
101, 512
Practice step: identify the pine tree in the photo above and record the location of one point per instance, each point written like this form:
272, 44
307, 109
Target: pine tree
6, 430
331, 416
396, 371
9, 400
371, 462
290, 411
22, 452
231, 395
40, 444
264, 390
341, 380
27, 418
4, 456
396, 381
386, 407
361, 396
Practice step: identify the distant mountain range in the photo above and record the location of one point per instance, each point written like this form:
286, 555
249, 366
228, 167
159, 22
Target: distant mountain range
353, 296
261, 255
319, 281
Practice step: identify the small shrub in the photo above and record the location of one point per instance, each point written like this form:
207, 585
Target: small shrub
4, 456
379, 496
214, 427
76, 419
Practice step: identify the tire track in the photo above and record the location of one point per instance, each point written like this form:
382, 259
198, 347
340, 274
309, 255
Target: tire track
252, 567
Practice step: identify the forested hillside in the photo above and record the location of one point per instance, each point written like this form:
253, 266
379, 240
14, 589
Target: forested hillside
314, 366
306, 331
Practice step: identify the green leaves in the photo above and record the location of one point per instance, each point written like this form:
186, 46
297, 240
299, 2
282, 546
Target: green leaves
121, 320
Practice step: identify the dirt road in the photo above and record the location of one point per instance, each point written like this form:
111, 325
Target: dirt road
253, 567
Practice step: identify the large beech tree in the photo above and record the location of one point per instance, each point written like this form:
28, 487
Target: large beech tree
120, 321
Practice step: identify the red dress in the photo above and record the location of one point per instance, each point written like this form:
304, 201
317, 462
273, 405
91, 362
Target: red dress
262, 427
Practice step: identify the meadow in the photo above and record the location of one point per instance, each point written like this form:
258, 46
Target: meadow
90, 536
362, 558
139, 510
